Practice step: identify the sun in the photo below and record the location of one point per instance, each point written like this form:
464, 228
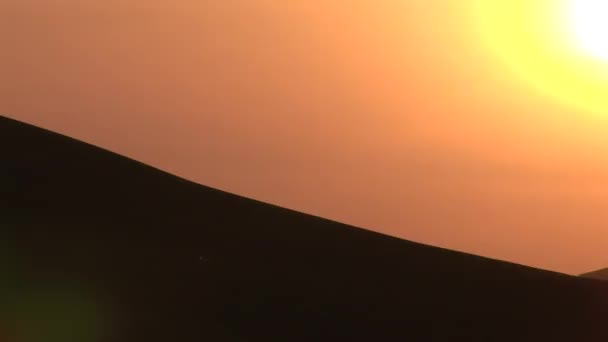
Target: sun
589, 24
557, 48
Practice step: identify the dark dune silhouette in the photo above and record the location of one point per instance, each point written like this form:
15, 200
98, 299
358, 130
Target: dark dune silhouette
170, 260
599, 274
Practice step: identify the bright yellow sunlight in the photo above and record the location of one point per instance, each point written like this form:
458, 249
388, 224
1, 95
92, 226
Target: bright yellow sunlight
559, 47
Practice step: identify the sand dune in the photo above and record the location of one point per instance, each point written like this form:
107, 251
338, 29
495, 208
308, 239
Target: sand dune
159, 258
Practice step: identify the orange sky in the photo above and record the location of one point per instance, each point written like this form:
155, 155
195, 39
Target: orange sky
391, 115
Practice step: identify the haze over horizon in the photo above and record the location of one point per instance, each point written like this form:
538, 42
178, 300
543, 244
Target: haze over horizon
387, 115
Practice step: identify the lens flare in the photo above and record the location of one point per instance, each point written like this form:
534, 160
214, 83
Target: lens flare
554, 46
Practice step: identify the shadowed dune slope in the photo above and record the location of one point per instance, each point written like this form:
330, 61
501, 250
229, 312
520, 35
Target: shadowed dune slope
599, 274
171, 260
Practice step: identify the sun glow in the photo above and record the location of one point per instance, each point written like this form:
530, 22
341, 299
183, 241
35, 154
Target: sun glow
589, 22
559, 47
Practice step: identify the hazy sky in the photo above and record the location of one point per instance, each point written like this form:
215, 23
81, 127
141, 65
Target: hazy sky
386, 114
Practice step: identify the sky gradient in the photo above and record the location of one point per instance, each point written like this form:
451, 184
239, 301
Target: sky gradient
390, 115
